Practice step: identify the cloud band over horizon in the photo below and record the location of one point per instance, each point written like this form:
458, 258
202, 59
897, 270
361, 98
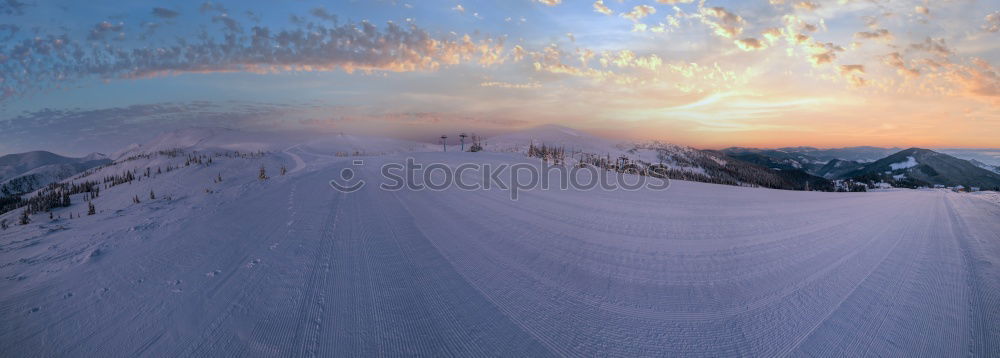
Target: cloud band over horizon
873, 72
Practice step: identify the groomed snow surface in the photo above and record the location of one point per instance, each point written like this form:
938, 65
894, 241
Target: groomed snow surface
290, 267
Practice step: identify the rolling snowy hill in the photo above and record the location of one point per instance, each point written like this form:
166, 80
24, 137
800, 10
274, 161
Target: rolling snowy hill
289, 267
197, 256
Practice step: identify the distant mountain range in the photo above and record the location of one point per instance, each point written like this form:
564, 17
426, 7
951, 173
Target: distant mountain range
794, 168
27, 172
857, 154
919, 167
837, 168
912, 167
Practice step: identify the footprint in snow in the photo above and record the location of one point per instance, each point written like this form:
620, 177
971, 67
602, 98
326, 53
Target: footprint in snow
252, 263
213, 273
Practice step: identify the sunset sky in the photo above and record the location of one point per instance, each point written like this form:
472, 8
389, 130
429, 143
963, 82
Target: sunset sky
78, 76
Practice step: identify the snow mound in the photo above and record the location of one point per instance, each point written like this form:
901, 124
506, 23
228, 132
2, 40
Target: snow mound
909, 163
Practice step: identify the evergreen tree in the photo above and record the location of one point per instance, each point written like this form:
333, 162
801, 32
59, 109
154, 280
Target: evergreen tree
25, 219
91, 210
152, 196
3, 224
263, 173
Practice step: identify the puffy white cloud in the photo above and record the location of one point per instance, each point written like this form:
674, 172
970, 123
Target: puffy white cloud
639, 12
550, 2
601, 8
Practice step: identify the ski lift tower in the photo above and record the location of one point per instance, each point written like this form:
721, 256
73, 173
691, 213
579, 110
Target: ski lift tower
444, 142
462, 139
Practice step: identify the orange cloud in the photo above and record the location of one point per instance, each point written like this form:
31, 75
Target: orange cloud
723, 22
895, 60
750, 44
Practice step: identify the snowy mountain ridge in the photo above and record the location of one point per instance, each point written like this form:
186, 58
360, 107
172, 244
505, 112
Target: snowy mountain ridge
26, 172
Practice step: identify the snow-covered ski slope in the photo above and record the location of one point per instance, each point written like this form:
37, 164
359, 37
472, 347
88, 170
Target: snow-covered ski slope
290, 267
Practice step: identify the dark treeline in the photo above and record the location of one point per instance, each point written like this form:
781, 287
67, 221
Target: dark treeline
557, 155
57, 195
53, 196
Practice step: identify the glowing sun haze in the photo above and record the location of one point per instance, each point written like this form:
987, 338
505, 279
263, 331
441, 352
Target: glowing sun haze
79, 76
